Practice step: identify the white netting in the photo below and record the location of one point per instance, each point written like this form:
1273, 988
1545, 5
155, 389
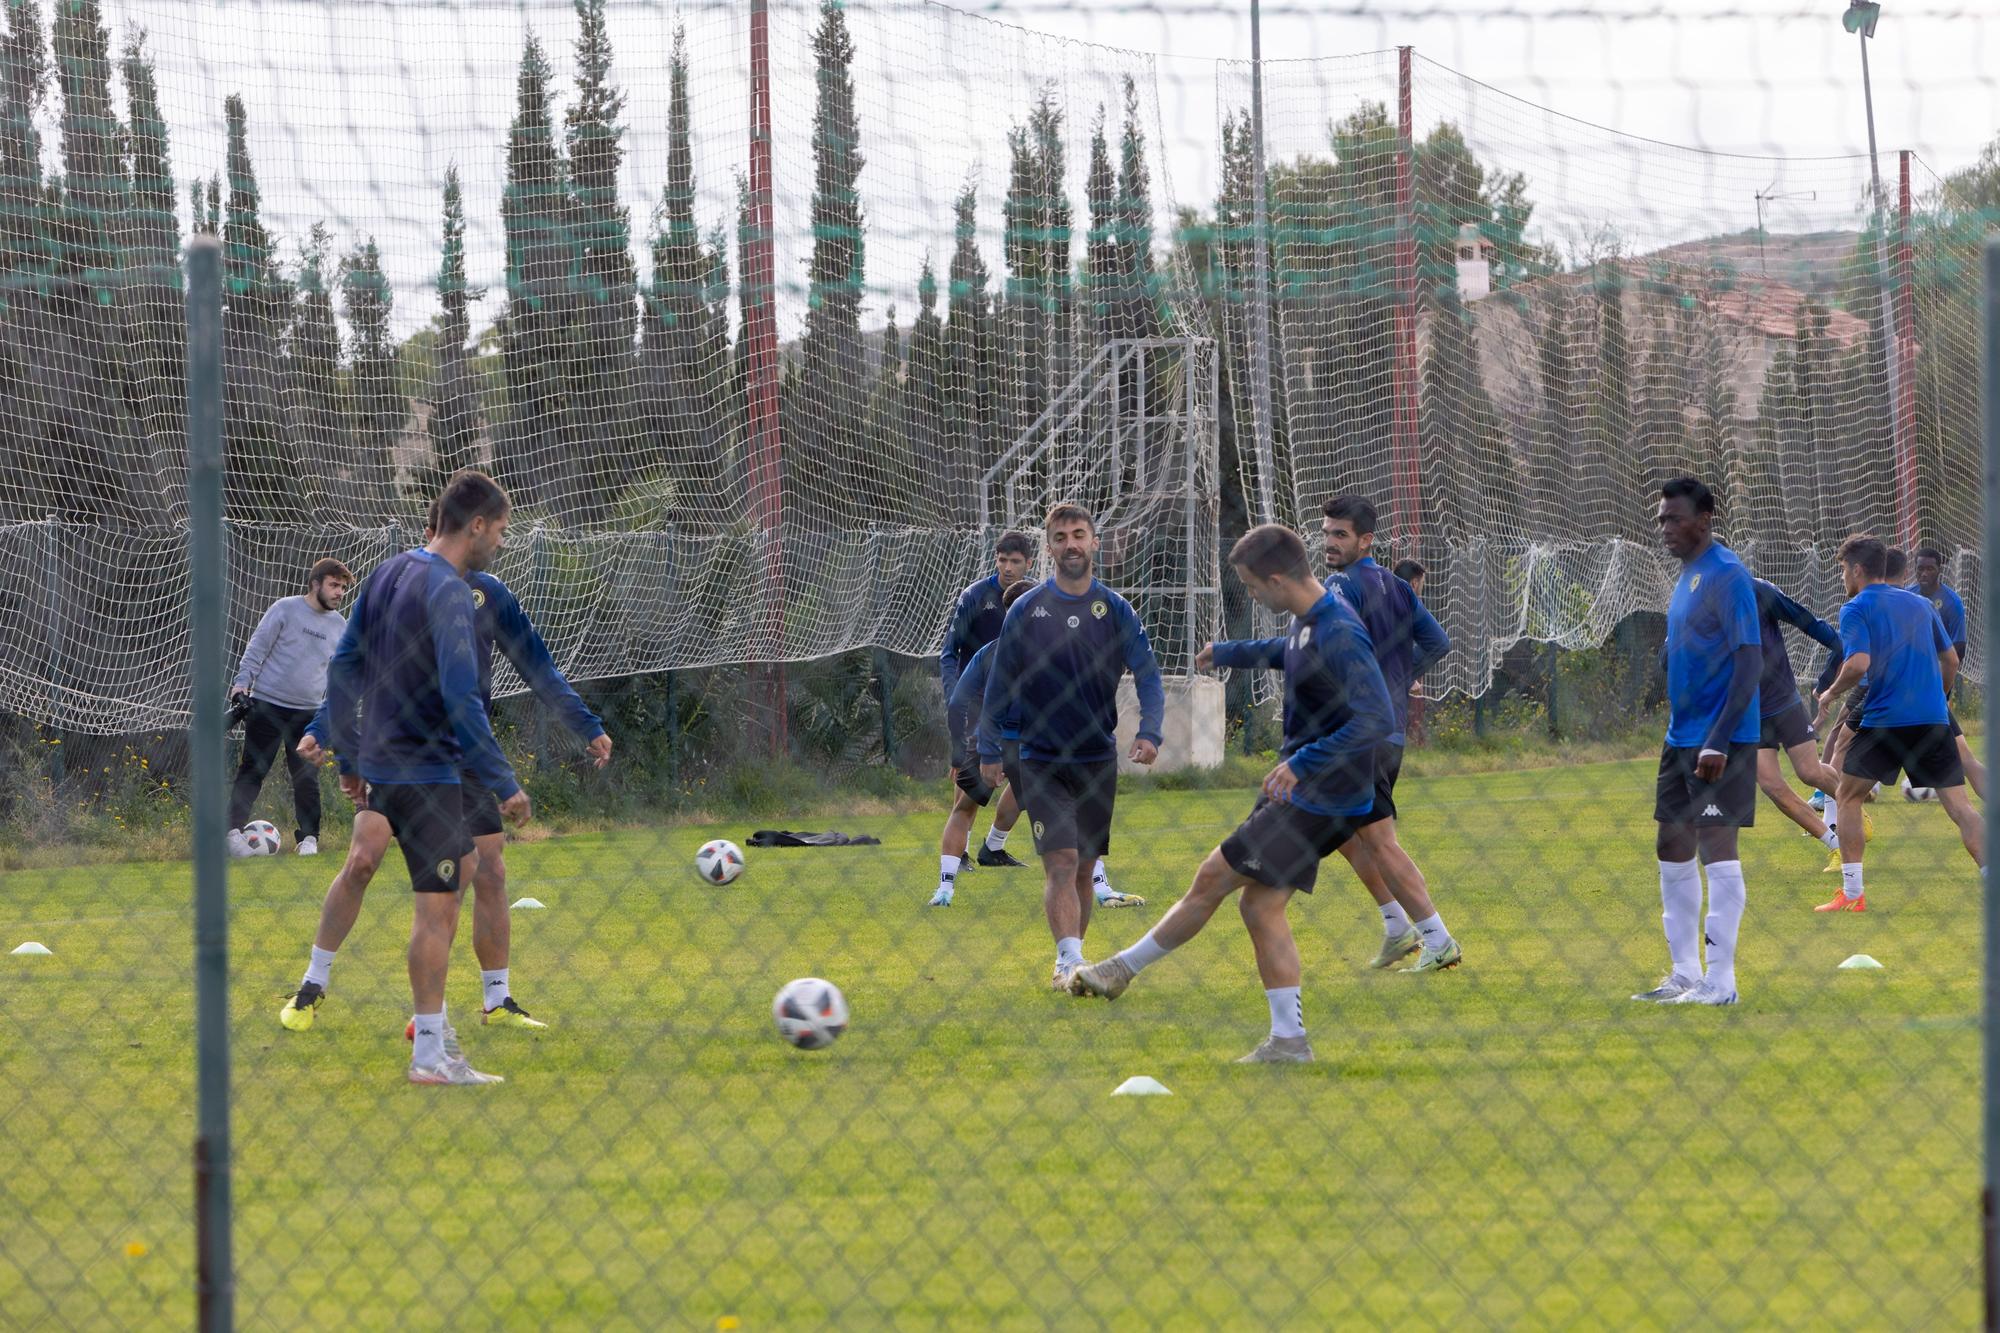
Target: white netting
528, 237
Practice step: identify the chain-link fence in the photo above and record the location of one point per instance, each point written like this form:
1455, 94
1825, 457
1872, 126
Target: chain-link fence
676, 885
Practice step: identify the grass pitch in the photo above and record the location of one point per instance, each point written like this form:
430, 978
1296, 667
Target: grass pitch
1513, 1144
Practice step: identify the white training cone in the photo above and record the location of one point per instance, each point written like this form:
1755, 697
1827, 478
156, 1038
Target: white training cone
1860, 960
529, 905
1139, 1085
32, 947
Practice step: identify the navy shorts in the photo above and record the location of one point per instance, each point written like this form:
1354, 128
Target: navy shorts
1789, 726
1281, 846
428, 819
1682, 797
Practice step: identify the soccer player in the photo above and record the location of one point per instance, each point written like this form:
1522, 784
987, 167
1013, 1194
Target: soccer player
406, 719
1412, 573
1950, 607
1707, 786
975, 622
283, 672
1839, 738
963, 706
1054, 681
1337, 716
1407, 642
1784, 722
499, 620
1894, 638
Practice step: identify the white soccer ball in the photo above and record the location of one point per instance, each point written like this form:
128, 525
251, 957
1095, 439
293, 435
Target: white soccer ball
810, 1013
719, 861
261, 836
1918, 793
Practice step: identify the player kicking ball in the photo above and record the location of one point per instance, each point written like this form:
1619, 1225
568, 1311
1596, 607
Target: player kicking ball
1707, 787
1894, 638
1337, 713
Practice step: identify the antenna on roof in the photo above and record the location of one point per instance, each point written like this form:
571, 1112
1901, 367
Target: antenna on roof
1764, 196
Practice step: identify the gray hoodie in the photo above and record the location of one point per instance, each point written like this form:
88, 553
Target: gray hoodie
285, 661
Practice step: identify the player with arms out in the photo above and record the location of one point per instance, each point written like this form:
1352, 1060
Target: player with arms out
1783, 720
1054, 683
1895, 639
1707, 786
499, 621
1337, 716
406, 719
975, 622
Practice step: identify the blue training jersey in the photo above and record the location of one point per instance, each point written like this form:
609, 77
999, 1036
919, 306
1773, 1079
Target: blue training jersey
975, 622
1902, 635
499, 622
966, 706
403, 703
1950, 608
1779, 688
1337, 705
1713, 613
1054, 676
1407, 637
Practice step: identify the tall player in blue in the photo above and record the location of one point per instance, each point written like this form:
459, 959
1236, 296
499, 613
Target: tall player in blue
1928, 565
1707, 786
407, 719
1054, 681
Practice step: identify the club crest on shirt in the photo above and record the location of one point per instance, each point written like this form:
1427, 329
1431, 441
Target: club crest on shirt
446, 869
1099, 610
1694, 584
1074, 622
1305, 635
479, 599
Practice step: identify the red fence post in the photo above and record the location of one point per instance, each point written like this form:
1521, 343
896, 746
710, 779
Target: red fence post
1905, 343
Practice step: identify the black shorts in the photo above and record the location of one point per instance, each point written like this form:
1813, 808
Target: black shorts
1069, 806
1010, 767
482, 810
1281, 846
1855, 703
1789, 726
1956, 730
1729, 802
968, 781
1927, 753
428, 820
1388, 768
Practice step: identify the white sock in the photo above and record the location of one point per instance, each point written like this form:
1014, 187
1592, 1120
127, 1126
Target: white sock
1850, 878
1069, 949
320, 966
996, 838
493, 986
947, 871
1831, 814
1144, 954
1098, 879
1394, 919
1726, 897
1288, 1015
1680, 913
1433, 931
430, 1040
1831, 838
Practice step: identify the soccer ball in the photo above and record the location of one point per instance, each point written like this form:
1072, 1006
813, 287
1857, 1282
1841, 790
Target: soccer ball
719, 861
261, 835
1918, 793
810, 1013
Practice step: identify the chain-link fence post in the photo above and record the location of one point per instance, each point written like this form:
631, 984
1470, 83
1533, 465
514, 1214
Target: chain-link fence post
209, 626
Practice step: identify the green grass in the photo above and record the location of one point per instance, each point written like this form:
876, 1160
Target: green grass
1513, 1144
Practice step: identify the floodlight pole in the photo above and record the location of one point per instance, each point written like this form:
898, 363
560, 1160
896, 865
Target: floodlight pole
1260, 281
1892, 342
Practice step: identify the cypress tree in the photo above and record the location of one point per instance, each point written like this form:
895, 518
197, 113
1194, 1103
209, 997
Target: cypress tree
535, 217
24, 81
602, 370
924, 405
1138, 297
262, 470
968, 414
1103, 273
367, 303
155, 319
313, 404
96, 186
454, 422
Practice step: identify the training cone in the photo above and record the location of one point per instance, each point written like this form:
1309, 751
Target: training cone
1860, 962
529, 905
1140, 1085
32, 947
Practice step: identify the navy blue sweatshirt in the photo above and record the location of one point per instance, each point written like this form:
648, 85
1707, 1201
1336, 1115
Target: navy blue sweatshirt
402, 697
1054, 677
1778, 689
1337, 709
1407, 637
975, 622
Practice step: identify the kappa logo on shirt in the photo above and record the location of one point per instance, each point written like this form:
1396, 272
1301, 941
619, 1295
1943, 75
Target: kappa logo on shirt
1711, 813
1041, 613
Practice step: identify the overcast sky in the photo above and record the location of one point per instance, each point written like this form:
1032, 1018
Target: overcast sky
358, 106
